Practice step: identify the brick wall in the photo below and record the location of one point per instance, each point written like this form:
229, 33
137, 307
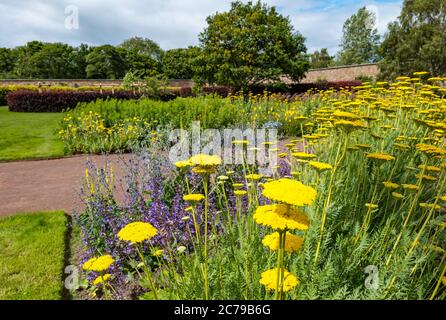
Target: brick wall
344, 73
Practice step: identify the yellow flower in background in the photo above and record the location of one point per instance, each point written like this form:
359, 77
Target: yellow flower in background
320, 166
430, 206
410, 187
292, 242
99, 264
137, 232
205, 160
425, 177
240, 193
303, 155
101, 279
193, 197
397, 195
443, 198
269, 280
254, 176
281, 217
158, 253
380, 156
371, 206
237, 185
390, 185
183, 164
429, 168
289, 191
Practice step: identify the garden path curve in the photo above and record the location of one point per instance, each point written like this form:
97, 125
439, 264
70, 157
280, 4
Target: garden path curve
46, 185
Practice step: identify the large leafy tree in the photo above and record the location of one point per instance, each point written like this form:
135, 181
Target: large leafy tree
360, 40
7, 60
53, 61
105, 62
179, 63
143, 56
416, 41
248, 45
78, 61
321, 59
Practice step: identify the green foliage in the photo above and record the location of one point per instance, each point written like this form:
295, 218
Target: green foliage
249, 44
360, 40
416, 41
179, 63
321, 59
142, 56
32, 259
105, 62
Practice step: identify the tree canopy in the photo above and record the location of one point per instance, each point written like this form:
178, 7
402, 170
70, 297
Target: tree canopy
250, 44
416, 41
360, 40
321, 59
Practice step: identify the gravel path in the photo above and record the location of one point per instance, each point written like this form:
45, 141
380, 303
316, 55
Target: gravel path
44, 185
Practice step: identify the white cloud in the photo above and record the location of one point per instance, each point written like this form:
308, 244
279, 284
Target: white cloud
171, 23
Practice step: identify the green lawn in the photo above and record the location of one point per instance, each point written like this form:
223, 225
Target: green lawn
32, 257
29, 135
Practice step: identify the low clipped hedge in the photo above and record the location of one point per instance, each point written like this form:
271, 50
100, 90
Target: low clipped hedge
58, 101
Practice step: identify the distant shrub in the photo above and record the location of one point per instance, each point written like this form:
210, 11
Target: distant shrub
58, 101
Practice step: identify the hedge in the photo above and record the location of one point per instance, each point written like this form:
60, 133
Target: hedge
58, 101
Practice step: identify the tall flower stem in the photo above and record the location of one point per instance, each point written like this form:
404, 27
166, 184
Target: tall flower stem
146, 270
206, 213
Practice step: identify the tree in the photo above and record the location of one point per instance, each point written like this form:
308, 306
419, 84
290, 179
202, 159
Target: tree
78, 61
52, 61
105, 62
248, 45
416, 41
179, 63
23, 68
7, 60
143, 56
321, 59
360, 40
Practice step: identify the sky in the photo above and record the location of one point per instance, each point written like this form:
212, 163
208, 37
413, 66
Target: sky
171, 23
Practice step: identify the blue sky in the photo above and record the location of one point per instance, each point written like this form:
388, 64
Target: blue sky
171, 23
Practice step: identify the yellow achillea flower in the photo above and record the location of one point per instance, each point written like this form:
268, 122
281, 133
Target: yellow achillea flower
320, 166
292, 242
430, 206
429, 168
240, 142
443, 280
411, 187
158, 253
269, 280
290, 192
254, 176
397, 195
202, 169
345, 115
237, 185
371, 205
425, 177
443, 198
193, 197
430, 149
281, 217
183, 164
99, 264
205, 160
101, 279
348, 125
137, 232
362, 146
380, 156
239, 193
303, 155
390, 185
